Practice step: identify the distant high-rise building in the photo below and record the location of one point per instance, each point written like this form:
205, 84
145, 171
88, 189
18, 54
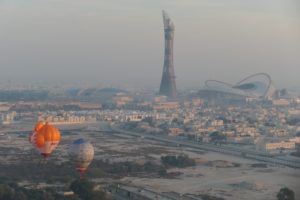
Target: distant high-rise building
167, 85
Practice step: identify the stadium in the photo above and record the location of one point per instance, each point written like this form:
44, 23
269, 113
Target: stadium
258, 86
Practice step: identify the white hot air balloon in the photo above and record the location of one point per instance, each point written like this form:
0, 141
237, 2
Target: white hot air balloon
82, 154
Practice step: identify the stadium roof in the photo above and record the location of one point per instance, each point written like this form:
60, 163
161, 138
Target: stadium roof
256, 85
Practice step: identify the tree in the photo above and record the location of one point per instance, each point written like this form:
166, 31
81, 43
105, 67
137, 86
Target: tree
177, 161
217, 136
12, 191
286, 194
85, 190
150, 120
6, 192
163, 172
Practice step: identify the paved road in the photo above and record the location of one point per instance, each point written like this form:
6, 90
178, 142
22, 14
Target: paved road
127, 192
236, 151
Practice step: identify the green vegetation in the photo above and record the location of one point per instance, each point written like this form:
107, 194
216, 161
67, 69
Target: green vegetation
286, 194
217, 136
85, 190
82, 188
125, 168
177, 161
12, 191
208, 197
65, 172
150, 121
32, 171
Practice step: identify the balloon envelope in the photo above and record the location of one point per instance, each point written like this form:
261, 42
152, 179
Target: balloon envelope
46, 139
82, 154
37, 127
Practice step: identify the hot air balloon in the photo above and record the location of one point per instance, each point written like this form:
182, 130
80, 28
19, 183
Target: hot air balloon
46, 139
37, 127
82, 154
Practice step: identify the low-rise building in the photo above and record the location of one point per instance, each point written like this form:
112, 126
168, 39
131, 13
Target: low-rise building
121, 99
217, 123
7, 118
279, 132
4, 106
279, 145
134, 118
166, 105
281, 102
175, 131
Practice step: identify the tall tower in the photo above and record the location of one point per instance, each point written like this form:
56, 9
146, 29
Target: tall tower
167, 85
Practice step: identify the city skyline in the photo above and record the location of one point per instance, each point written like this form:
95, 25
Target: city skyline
214, 40
92, 107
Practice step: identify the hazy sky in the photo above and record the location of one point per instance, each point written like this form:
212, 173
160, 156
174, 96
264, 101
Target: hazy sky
120, 42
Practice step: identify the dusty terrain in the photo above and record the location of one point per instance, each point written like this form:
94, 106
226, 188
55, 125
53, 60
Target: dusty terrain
215, 174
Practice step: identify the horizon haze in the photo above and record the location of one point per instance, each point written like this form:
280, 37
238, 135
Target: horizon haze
121, 42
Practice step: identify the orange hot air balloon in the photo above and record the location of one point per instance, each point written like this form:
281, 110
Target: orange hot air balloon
46, 139
37, 127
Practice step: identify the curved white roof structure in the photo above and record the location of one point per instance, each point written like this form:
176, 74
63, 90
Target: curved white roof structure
256, 85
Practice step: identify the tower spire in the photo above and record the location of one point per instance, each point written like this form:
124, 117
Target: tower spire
168, 85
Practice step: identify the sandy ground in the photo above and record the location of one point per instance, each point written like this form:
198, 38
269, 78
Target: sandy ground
218, 178
236, 183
